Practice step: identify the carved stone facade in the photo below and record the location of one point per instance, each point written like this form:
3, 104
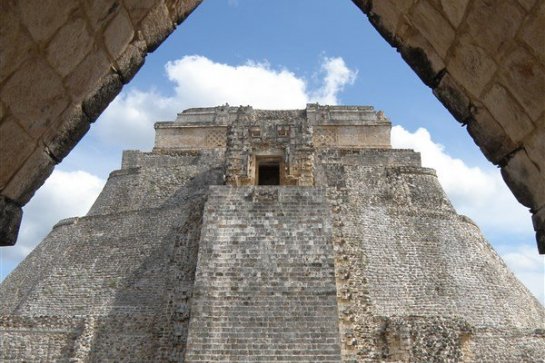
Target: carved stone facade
349, 252
288, 138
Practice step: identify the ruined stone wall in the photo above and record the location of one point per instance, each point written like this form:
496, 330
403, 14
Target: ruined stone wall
370, 264
265, 282
126, 269
485, 61
49, 338
415, 280
62, 62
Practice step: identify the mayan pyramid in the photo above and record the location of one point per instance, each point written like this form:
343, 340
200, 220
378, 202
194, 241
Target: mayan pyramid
269, 236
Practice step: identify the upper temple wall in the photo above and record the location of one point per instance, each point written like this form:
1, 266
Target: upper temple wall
331, 127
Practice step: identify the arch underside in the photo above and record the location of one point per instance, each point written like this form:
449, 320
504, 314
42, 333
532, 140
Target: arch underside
63, 62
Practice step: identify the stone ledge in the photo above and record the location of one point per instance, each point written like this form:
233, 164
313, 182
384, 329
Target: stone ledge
411, 170
10, 219
66, 222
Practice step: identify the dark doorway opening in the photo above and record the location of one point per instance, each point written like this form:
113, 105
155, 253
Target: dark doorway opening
269, 174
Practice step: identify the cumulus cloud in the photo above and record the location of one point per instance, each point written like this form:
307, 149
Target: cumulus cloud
200, 82
337, 75
64, 194
473, 191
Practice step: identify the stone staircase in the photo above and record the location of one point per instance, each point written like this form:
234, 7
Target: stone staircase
265, 282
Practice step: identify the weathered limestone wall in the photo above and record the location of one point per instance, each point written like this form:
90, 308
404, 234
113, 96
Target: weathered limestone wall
116, 284
151, 180
369, 264
62, 62
265, 283
48, 338
485, 61
415, 280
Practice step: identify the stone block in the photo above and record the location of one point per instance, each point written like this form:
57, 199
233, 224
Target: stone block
44, 18
131, 60
525, 180
433, 26
156, 26
30, 176
524, 77
71, 43
138, 9
72, 125
15, 146
15, 44
507, 112
527, 4
532, 31
10, 220
101, 97
85, 76
35, 95
420, 55
454, 10
363, 5
535, 145
538, 220
492, 24
180, 9
100, 12
453, 97
389, 13
491, 137
470, 66
118, 34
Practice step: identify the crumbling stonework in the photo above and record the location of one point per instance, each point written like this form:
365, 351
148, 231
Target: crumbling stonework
354, 255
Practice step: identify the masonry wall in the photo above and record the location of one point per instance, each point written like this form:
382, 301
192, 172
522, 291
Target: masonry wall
126, 269
265, 282
411, 273
369, 263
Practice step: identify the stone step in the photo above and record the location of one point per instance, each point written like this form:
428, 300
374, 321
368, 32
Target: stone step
265, 283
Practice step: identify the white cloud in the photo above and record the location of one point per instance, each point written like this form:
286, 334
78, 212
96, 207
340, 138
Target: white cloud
201, 82
337, 75
64, 194
480, 194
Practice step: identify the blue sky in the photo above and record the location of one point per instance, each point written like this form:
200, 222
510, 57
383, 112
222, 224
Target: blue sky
250, 51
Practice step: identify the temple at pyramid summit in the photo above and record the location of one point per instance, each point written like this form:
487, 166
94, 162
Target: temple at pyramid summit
252, 235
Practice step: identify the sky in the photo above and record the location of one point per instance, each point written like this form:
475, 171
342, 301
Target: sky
278, 55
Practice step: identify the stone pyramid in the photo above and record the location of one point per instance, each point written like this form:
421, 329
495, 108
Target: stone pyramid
269, 236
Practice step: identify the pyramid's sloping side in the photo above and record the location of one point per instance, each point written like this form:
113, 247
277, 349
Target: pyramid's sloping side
416, 275
114, 285
414, 280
